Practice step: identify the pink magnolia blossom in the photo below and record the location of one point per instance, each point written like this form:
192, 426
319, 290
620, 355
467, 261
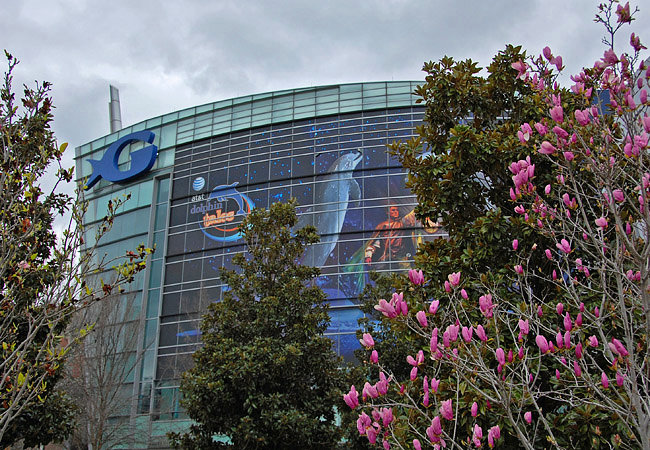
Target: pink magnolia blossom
579, 350
463, 293
541, 128
454, 278
352, 398
528, 417
604, 380
619, 379
559, 308
542, 343
416, 277
577, 369
521, 68
619, 347
386, 309
477, 435
547, 148
474, 409
635, 42
568, 325
435, 383
519, 269
623, 13
485, 305
494, 434
618, 195
433, 308
515, 244
422, 318
417, 445
569, 156
501, 356
557, 113
363, 423
547, 53
446, 410
435, 429
374, 357
548, 254
480, 332
524, 326
367, 340
582, 117
369, 391
564, 246
414, 373
467, 333
593, 341
547, 189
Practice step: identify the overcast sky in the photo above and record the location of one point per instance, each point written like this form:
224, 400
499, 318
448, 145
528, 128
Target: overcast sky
169, 55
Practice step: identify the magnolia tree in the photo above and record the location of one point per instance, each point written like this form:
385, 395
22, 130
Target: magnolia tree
554, 353
43, 276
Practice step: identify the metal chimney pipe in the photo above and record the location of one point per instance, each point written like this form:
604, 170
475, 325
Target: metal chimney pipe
114, 112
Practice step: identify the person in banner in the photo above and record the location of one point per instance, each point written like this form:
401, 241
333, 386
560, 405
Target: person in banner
392, 239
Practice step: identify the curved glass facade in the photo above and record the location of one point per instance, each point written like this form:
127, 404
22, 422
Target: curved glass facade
324, 146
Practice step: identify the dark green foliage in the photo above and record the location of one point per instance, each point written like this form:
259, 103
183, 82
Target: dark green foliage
266, 376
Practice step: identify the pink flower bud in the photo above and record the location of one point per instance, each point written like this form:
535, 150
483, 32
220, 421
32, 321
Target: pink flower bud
515, 244
374, 357
422, 318
619, 379
474, 409
480, 332
576, 369
604, 380
463, 293
559, 308
528, 417
542, 343
568, 325
593, 341
446, 410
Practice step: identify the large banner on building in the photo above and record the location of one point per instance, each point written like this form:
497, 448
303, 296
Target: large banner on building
346, 184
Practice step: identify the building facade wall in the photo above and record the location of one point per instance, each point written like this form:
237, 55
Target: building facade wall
324, 146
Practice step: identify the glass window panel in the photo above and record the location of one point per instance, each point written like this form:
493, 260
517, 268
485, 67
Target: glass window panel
153, 303
150, 330
155, 273
160, 222
171, 304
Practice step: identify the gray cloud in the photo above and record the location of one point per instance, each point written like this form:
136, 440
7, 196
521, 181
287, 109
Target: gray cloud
169, 55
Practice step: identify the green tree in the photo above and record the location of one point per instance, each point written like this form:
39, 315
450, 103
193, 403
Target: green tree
42, 275
266, 377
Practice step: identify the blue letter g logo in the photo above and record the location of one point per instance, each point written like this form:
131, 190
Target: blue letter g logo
141, 160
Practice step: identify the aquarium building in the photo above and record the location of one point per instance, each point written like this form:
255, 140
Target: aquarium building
192, 175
